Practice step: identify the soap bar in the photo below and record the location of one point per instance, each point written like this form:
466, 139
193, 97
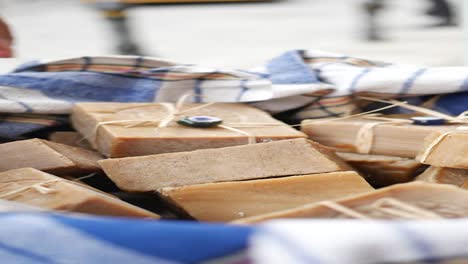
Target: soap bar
70, 138
444, 176
414, 200
227, 201
348, 135
136, 138
382, 171
48, 156
37, 188
465, 185
254, 161
445, 150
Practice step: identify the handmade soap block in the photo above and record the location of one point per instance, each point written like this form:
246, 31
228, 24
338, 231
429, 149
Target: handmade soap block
415, 200
367, 136
138, 135
465, 185
48, 156
444, 176
37, 188
228, 201
382, 171
254, 161
445, 150
70, 138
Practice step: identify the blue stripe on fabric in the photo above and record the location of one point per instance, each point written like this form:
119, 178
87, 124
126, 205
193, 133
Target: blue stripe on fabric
290, 68
464, 86
244, 89
26, 254
85, 86
87, 62
416, 241
185, 242
138, 62
13, 130
291, 248
354, 82
198, 91
28, 108
410, 81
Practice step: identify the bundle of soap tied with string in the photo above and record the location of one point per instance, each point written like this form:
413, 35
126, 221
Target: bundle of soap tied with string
308, 135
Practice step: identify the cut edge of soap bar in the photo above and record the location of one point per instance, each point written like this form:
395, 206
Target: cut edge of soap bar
440, 150
310, 210
287, 157
48, 156
440, 175
227, 201
88, 200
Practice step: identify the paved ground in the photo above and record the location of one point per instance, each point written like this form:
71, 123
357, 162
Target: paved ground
234, 35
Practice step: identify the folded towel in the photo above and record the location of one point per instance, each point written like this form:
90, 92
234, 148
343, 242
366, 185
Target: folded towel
300, 84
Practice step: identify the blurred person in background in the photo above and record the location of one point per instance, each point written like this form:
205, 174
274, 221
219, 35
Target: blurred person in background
443, 10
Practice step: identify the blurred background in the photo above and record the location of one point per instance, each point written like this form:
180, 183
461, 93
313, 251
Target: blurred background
238, 35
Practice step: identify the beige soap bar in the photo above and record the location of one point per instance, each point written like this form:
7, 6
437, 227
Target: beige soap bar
228, 201
415, 200
37, 188
254, 161
119, 140
382, 171
465, 185
391, 140
445, 150
48, 156
444, 176
70, 138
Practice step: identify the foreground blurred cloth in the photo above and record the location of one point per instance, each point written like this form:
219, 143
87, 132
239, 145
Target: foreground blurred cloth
296, 85
363, 242
56, 238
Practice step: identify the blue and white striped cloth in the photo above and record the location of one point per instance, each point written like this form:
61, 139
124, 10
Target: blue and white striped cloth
62, 239
363, 242
300, 84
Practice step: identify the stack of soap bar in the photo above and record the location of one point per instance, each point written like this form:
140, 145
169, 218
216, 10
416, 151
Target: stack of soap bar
415, 200
254, 161
70, 138
391, 140
444, 176
37, 188
228, 201
120, 140
445, 150
382, 171
48, 156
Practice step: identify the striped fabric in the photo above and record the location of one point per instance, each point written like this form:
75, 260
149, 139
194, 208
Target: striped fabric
363, 242
45, 238
294, 85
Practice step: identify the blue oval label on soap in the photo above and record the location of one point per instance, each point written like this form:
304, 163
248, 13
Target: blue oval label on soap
428, 121
200, 121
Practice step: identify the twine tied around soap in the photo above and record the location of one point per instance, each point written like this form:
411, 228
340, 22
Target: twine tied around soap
40, 187
173, 112
430, 148
398, 209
